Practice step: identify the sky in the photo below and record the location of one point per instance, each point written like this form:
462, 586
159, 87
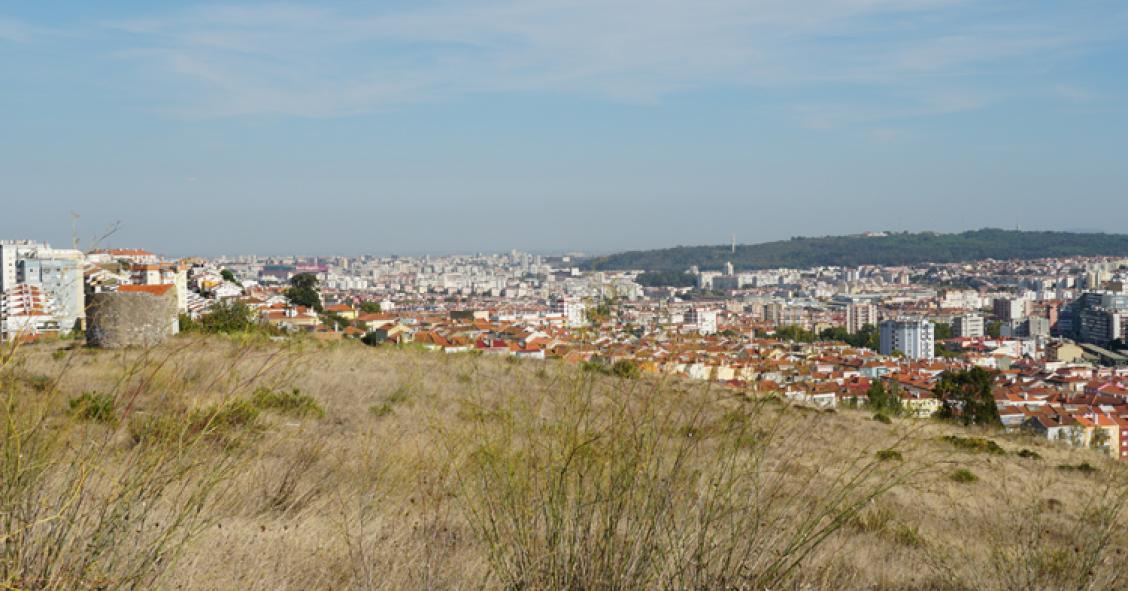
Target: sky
407, 127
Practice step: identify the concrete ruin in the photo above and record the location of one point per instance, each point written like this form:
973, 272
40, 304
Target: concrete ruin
132, 316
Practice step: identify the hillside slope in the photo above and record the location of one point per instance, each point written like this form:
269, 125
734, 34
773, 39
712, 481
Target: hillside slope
893, 249
233, 464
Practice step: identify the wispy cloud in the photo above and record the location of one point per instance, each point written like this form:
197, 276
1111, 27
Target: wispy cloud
15, 31
1076, 93
317, 62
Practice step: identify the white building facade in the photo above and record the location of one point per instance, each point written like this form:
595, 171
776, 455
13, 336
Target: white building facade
914, 338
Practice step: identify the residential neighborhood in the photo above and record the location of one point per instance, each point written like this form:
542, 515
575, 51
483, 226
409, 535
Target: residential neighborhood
1050, 332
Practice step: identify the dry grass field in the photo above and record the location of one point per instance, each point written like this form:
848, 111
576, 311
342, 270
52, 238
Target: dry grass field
225, 463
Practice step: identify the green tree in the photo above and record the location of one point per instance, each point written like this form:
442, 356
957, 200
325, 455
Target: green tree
876, 396
187, 324
866, 337
970, 392
335, 321
370, 307
625, 368
1100, 438
303, 291
666, 279
942, 330
794, 333
230, 277
884, 401
836, 333
994, 328
600, 313
228, 316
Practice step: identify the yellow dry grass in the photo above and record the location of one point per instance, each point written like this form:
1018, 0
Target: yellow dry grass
430, 471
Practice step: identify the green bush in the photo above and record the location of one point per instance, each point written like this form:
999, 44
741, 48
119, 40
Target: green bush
94, 407
908, 535
625, 369
882, 418
975, 444
291, 402
1083, 467
886, 455
155, 429
387, 406
596, 366
964, 476
219, 423
221, 418
228, 317
1029, 454
38, 382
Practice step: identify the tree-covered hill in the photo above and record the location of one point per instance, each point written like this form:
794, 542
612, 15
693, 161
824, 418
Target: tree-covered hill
893, 249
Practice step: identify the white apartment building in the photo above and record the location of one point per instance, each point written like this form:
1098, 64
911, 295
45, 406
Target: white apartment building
968, 326
859, 315
1009, 309
572, 309
26, 311
914, 338
12, 251
704, 320
58, 272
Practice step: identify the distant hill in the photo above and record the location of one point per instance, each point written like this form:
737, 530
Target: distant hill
891, 249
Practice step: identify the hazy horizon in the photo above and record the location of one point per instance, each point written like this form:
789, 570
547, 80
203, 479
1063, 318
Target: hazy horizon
553, 126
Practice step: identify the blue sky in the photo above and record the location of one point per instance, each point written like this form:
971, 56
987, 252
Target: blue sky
549, 125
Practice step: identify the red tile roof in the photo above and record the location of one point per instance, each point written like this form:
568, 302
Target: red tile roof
156, 290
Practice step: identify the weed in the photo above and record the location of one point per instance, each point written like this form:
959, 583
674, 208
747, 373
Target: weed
291, 402
963, 476
220, 423
625, 369
875, 519
882, 418
908, 535
94, 407
886, 455
38, 382
975, 444
1083, 468
1029, 454
387, 406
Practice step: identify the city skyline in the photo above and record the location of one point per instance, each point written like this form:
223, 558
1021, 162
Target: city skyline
338, 129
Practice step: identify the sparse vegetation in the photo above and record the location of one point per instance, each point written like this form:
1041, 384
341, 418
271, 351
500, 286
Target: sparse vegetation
887, 455
964, 476
226, 317
1082, 468
292, 402
389, 403
94, 407
975, 444
531, 475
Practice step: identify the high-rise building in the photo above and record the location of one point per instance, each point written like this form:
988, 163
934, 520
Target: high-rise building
967, 326
11, 251
1100, 317
859, 315
57, 272
1006, 309
572, 309
704, 320
914, 338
